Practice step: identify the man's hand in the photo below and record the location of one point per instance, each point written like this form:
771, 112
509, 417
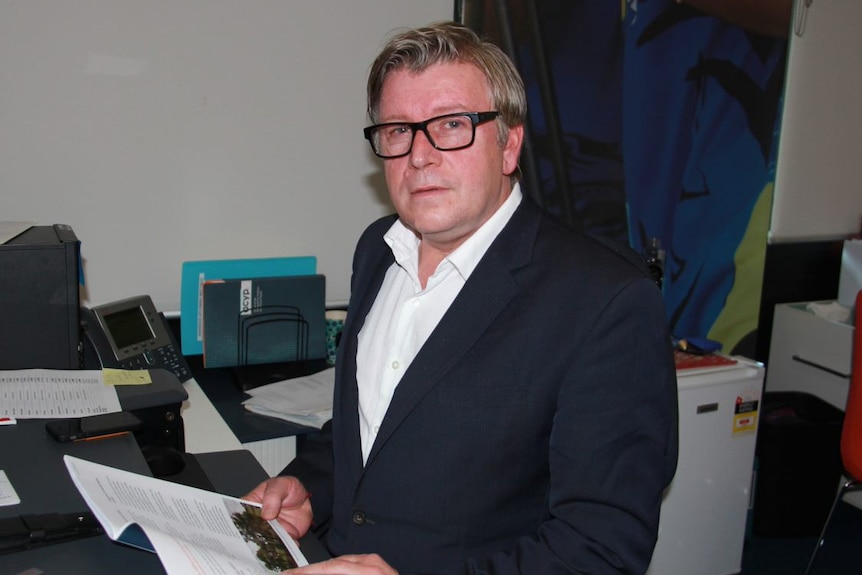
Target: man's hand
347, 565
285, 499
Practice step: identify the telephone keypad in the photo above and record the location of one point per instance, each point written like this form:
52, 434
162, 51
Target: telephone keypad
166, 357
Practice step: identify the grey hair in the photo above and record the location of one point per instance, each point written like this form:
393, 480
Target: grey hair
447, 42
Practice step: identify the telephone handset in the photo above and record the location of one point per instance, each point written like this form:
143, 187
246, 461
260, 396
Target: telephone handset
131, 334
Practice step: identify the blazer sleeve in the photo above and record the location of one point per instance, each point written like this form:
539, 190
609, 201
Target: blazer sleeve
613, 449
313, 466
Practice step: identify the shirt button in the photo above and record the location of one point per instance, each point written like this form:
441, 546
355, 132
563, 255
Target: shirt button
395, 364
358, 518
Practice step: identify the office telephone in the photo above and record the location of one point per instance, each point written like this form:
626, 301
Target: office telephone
130, 334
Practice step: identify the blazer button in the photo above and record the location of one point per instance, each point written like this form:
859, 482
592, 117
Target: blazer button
358, 517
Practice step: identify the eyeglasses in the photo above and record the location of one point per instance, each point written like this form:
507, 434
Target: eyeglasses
447, 133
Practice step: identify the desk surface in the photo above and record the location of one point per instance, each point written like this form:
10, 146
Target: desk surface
224, 394
220, 387
33, 462
205, 430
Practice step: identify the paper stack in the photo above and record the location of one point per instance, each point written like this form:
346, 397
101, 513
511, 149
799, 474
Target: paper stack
303, 400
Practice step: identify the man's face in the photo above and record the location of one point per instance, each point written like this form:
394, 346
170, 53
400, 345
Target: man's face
446, 196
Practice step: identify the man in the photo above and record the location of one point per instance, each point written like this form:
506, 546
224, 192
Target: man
505, 396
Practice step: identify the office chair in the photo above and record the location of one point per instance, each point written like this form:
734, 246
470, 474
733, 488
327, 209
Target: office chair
851, 430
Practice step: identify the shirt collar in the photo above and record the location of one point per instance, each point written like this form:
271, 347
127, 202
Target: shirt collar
405, 245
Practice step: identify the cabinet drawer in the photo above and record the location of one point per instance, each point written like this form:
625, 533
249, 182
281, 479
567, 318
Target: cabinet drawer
785, 374
809, 353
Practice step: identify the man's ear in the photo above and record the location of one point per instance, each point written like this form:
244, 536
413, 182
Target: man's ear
512, 149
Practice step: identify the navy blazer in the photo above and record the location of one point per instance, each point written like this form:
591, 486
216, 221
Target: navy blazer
533, 433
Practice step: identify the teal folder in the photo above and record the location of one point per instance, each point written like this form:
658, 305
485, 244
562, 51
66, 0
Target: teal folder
195, 273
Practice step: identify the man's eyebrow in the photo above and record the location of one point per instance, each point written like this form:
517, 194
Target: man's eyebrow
448, 109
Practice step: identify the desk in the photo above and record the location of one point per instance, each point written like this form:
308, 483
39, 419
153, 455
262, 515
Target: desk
34, 464
205, 429
216, 420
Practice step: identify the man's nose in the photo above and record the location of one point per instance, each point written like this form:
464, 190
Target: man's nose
423, 152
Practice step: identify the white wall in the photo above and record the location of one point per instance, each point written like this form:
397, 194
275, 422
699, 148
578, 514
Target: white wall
818, 184
172, 130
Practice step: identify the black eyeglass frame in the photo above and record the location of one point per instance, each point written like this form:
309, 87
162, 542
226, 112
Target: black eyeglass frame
476, 119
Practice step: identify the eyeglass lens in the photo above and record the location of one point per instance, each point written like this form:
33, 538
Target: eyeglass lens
446, 133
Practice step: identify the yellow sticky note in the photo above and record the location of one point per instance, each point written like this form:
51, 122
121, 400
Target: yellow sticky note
126, 376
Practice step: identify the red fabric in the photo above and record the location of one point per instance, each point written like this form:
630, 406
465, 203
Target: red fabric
685, 360
851, 433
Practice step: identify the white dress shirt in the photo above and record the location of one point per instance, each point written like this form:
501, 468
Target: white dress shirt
404, 314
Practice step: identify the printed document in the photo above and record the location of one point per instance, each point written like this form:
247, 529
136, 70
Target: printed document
194, 532
302, 400
50, 393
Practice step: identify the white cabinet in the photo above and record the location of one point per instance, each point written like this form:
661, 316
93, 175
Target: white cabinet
705, 508
810, 354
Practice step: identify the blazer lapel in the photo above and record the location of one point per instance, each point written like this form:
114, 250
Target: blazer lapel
346, 392
490, 287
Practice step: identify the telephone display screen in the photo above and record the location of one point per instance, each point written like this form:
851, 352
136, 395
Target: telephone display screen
128, 327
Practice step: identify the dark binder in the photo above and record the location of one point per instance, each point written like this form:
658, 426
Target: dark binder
264, 320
